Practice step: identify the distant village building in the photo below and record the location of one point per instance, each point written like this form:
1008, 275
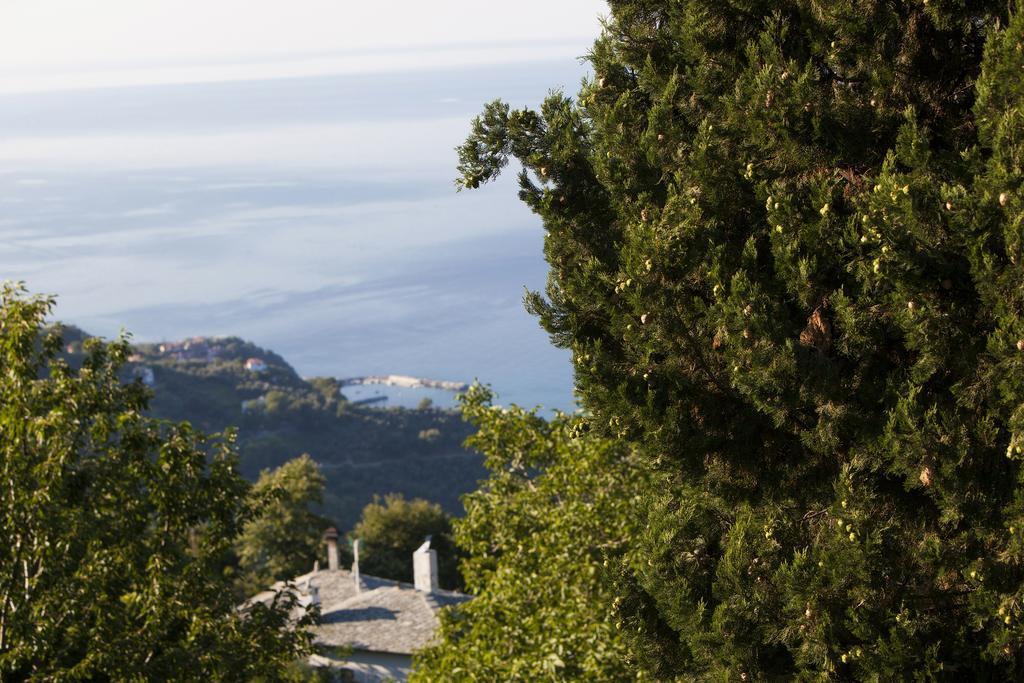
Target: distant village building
193, 348
255, 365
379, 621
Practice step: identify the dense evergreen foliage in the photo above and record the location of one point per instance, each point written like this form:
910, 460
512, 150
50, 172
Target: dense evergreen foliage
786, 251
115, 527
538, 535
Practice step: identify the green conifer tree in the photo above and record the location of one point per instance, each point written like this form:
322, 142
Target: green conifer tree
785, 243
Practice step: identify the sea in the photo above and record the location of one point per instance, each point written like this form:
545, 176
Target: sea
316, 216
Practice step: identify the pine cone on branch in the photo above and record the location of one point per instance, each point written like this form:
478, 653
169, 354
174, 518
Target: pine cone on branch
818, 332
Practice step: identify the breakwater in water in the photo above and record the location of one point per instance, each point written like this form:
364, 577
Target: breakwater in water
405, 382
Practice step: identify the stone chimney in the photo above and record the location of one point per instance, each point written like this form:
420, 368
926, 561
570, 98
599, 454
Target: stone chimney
424, 568
355, 565
331, 539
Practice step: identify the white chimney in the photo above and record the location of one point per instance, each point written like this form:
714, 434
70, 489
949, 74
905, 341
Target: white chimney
355, 565
331, 538
424, 568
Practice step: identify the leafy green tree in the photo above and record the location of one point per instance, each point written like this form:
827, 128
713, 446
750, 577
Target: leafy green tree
785, 245
285, 537
537, 537
392, 528
329, 389
114, 527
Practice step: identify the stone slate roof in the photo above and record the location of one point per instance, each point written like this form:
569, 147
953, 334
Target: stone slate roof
383, 616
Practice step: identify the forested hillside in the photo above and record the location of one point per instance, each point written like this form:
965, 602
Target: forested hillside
361, 450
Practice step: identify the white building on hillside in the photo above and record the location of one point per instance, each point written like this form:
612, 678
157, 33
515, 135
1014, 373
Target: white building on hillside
256, 365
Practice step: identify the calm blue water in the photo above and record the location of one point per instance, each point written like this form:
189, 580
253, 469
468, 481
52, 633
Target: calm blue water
315, 216
400, 397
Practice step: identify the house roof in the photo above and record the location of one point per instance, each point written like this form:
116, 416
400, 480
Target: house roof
382, 616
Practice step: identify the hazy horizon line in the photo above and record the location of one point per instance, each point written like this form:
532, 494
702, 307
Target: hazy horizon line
269, 67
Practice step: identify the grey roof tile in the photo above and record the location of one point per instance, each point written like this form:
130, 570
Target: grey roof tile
383, 616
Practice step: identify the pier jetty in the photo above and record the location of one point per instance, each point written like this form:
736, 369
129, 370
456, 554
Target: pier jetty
405, 382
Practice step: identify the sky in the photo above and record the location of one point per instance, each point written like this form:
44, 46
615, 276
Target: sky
51, 44
283, 172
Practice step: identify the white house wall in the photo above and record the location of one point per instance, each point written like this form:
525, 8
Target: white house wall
374, 667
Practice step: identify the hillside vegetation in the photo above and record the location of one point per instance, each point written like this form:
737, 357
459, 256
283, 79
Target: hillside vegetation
362, 451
